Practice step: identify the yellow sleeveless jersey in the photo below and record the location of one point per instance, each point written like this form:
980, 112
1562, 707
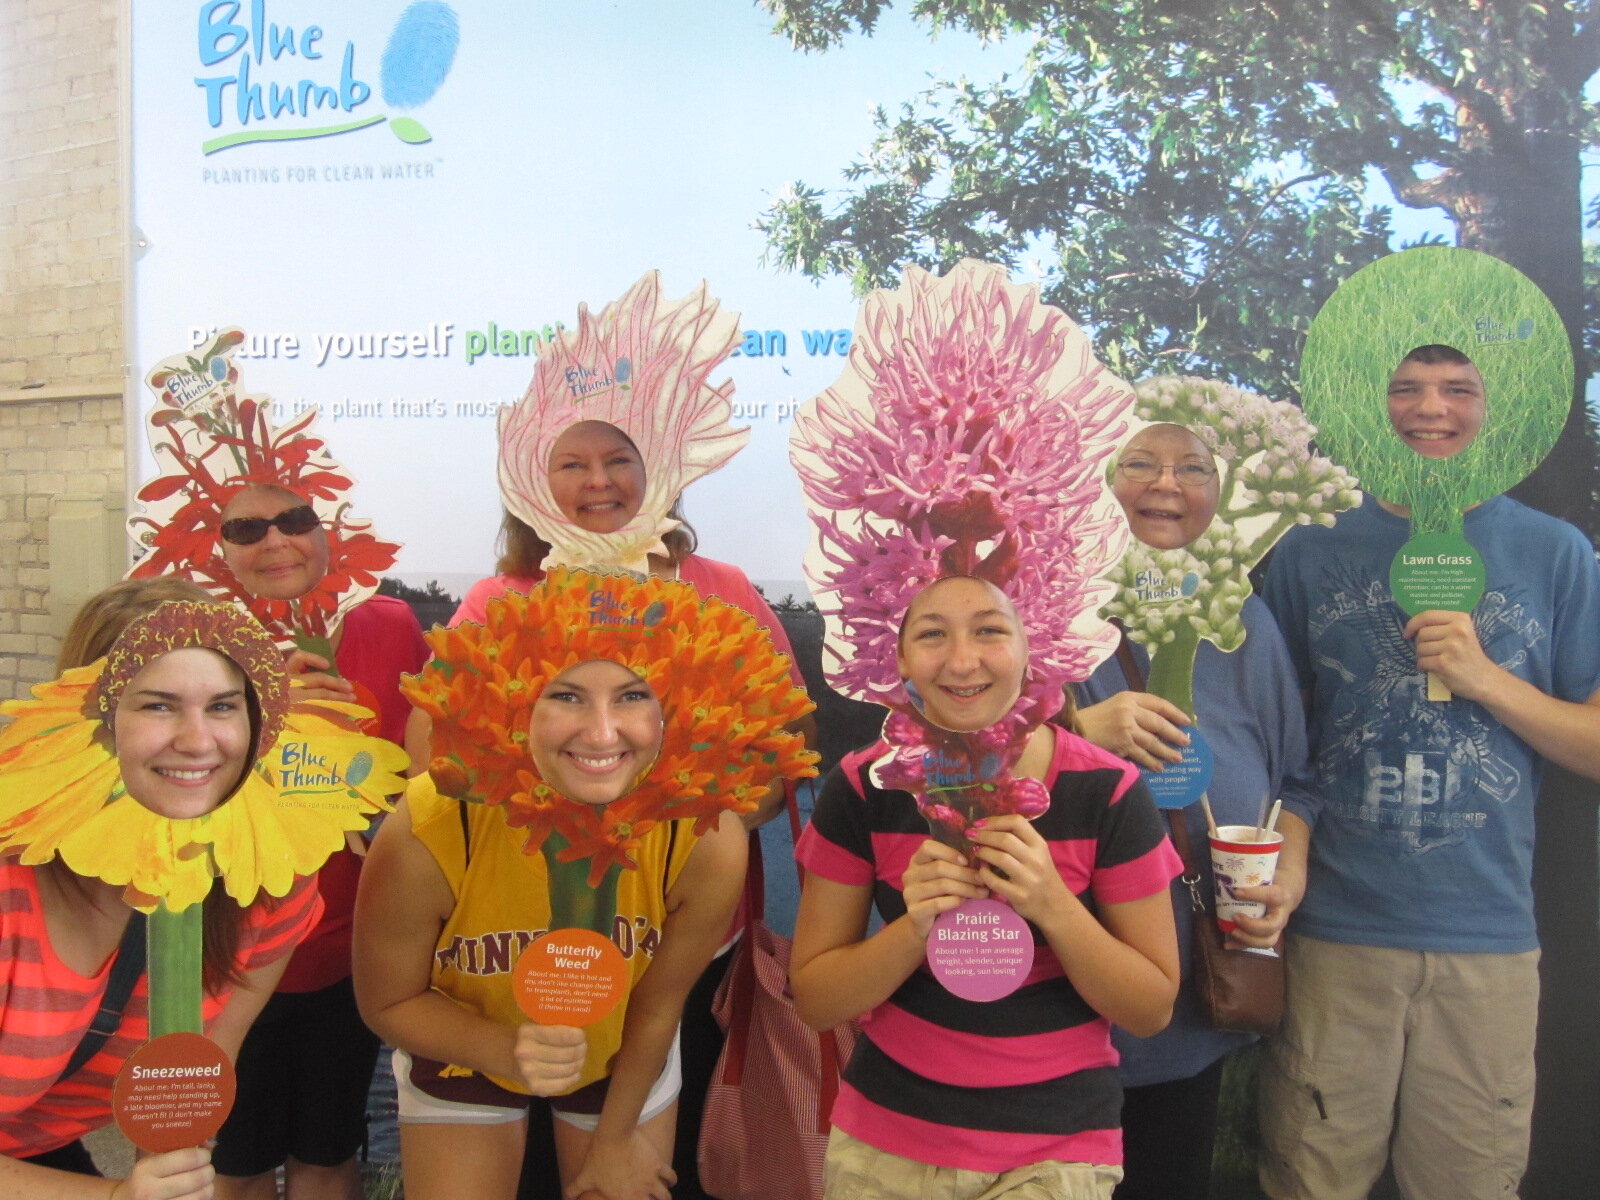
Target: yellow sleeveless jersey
502, 903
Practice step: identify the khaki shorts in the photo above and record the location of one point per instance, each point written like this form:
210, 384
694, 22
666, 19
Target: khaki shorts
857, 1171
1424, 1056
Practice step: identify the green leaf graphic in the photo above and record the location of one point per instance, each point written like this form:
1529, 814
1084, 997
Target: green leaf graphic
409, 130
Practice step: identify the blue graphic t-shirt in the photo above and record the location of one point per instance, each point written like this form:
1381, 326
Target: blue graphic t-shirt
1425, 836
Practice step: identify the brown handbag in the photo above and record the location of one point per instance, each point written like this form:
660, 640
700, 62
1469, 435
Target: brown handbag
1240, 991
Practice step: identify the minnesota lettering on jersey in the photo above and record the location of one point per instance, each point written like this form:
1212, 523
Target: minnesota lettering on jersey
497, 952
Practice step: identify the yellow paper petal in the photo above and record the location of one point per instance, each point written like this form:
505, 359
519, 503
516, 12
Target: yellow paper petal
61, 794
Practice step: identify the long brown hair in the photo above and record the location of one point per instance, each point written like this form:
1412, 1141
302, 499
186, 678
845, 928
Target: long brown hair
1067, 718
91, 635
522, 550
106, 614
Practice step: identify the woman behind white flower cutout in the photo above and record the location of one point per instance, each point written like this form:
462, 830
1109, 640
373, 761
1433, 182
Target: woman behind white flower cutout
1211, 450
620, 417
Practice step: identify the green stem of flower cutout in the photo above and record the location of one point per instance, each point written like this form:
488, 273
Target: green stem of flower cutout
313, 643
175, 952
1172, 667
1434, 510
573, 903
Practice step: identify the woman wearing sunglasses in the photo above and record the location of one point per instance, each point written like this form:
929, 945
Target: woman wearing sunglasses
305, 1069
273, 542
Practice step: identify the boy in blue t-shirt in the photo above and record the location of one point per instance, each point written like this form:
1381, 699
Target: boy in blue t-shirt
1413, 972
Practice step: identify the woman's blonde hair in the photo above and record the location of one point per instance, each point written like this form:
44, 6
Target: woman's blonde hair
105, 615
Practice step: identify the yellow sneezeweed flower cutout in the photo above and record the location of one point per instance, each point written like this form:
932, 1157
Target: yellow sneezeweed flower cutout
725, 691
315, 775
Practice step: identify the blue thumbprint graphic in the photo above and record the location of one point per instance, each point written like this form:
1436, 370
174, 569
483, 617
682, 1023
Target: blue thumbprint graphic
1190, 584
416, 61
653, 614
219, 369
360, 767
624, 369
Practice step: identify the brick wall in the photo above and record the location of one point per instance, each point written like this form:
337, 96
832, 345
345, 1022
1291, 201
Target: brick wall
61, 320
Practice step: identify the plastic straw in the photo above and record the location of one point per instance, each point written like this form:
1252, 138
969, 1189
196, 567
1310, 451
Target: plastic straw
1272, 821
1211, 821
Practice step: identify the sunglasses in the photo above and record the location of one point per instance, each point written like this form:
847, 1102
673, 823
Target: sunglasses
247, 531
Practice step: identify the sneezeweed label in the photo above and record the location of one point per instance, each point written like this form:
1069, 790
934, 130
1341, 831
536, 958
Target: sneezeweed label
279, 82
172, 1092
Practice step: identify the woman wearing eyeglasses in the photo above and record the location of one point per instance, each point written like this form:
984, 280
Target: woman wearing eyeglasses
1168, 484
305, 1069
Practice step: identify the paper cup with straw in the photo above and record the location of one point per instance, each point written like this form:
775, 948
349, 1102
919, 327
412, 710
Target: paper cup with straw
1242, 856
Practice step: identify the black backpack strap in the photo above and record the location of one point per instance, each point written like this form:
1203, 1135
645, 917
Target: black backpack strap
125, 972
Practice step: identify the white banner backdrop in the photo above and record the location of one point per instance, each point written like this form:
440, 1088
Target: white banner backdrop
399, 268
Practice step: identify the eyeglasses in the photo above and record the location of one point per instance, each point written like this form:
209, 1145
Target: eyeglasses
247, 531
1185, 474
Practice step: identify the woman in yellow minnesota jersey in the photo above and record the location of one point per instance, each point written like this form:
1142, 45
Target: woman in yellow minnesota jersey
600, 684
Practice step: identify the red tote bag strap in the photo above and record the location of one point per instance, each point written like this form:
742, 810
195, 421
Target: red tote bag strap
741, 982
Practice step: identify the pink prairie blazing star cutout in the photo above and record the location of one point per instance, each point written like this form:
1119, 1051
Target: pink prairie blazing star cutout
969, 435
214, 442
644, 366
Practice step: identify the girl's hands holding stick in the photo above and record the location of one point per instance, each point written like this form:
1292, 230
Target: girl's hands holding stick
938, 879
1016, 866
176, 1175
549, 1057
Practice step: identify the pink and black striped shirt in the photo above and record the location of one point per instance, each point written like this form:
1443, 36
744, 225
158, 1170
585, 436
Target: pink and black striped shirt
1027, 1078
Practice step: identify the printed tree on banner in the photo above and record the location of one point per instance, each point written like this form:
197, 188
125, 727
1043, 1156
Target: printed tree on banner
1192, 179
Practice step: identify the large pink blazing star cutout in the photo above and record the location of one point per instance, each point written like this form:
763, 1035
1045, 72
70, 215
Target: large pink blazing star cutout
969, 435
